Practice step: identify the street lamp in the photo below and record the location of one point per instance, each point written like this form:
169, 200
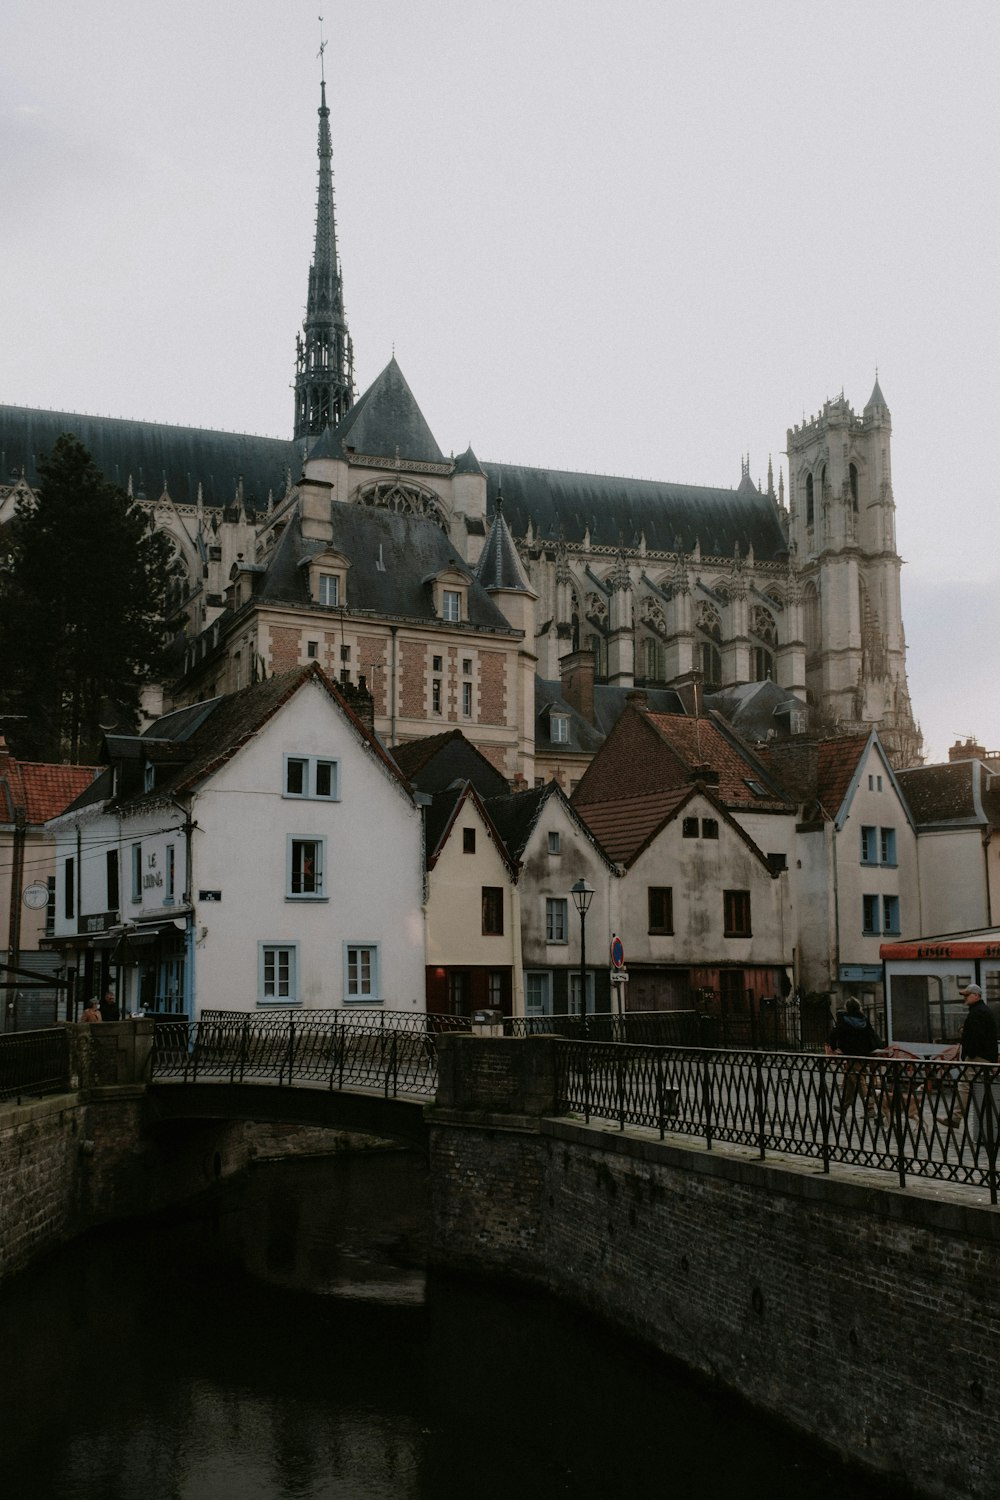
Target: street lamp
583, 894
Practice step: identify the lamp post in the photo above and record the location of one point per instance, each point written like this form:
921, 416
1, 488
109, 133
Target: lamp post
583, 894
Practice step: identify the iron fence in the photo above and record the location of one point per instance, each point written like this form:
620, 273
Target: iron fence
935, 1120
34, 1062
336, 1049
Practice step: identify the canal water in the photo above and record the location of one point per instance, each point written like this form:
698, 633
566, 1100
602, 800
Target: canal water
285, 1341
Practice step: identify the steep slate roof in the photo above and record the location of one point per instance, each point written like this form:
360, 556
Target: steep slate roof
214, 738
437, 761
499, 566
516, 816
42, 790
670, 517
385, 421
442, 814
945, 793
391, 556
155, 456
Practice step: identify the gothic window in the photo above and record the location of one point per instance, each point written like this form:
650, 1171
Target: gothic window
810, 502
852, 473
653, 660
404, 499
709, 642
599, 646
764, 634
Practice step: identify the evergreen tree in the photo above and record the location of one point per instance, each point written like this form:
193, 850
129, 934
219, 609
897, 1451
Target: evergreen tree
84, 597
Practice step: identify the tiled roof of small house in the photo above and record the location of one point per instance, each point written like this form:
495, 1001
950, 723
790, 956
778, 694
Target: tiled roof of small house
948, 793
836, 765
433, 763
42, 790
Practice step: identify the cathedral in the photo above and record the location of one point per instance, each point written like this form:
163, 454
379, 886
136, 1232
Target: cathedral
521, 605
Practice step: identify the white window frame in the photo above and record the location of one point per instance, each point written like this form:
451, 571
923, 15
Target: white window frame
373, 996
559, 729
556, 907
311, 768
136, 872
319, 876
290, 951
327, 585
467, 700
539, 980
451, 605
555, 843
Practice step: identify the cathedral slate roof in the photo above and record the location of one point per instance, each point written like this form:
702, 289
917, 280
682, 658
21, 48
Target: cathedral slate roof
499, 566
386, 420
155, 456
669, 517
391, 556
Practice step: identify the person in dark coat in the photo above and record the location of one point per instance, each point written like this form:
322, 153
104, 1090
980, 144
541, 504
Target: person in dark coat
109, 1006
977, 1044
854, 1036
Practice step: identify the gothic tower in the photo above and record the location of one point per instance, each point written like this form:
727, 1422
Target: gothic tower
324, 365
843, 541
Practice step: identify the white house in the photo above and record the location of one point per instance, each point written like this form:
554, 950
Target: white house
257, 850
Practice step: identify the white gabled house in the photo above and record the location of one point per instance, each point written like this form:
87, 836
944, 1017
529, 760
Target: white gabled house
254, 851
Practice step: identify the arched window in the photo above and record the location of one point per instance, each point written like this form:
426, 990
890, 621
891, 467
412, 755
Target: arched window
852, 473
653, 660
764, 638
810, 503
709, 641
599, 646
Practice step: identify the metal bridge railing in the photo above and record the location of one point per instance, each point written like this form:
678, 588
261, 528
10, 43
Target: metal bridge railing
391, 1051
34, 1062
934, 1120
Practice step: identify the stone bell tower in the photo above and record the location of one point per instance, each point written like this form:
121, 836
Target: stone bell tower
842, 533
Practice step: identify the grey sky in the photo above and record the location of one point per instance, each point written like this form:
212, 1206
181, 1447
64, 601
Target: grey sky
641, 239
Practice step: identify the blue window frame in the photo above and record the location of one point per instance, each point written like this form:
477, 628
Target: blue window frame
890, 914
887, 846
869, 846
870, 915
361, 974
306, 865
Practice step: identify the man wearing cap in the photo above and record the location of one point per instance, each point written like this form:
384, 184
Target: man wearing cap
977, 1044
979, 1032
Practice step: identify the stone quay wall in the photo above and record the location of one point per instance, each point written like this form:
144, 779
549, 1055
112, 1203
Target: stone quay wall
74, 1160
866, 1316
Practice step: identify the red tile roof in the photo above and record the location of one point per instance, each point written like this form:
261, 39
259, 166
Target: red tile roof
624, 827
837, 761
42, 790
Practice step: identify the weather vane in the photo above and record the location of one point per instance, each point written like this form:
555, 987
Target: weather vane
322, 49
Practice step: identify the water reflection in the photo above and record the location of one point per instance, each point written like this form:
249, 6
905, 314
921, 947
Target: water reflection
287, 1344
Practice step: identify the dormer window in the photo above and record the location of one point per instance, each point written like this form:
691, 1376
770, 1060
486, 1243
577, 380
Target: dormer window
451, 595
148, 777
327, 579
559, 729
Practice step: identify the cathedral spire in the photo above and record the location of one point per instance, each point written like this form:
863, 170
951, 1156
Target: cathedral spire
324, 365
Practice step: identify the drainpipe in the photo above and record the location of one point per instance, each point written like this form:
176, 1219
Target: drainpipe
393, 632
16, 881
836, 905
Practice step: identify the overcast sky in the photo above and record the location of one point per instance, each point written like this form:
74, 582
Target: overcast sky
641, 238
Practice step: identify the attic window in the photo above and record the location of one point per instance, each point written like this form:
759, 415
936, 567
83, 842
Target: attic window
451, 605
148, 778
559, 729
329, 589
756, 787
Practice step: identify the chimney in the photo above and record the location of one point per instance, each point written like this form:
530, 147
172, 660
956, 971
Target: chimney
576, 675
359, 700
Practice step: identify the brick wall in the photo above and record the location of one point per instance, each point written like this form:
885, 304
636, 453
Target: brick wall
286, 647
412, 680
866, 1316
492, 687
